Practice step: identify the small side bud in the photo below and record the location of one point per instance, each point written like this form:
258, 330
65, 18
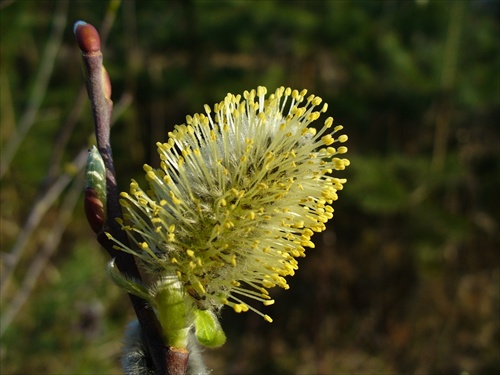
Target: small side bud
95, 190
87, 37
94, 210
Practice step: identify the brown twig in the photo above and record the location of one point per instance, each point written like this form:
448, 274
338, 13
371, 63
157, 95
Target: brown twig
43, 254
99, 89
39, 88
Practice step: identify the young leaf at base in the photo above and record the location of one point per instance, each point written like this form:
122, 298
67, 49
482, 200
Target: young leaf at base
208, 330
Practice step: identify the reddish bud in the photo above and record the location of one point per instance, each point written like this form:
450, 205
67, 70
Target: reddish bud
87, 37
94, 210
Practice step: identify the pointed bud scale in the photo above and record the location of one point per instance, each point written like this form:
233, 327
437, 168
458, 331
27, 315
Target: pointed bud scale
130, 285
95, 190
95, 173
87, 37
106, 84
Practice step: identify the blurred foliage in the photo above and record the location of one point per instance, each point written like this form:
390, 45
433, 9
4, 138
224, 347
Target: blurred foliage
406, 278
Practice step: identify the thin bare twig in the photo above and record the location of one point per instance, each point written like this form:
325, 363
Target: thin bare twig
51, 243
40, 208
63, 136
444, 106
39, 87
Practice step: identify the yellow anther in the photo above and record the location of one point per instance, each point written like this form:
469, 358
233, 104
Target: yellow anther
317, 101
328, 139
261, 91
331, 150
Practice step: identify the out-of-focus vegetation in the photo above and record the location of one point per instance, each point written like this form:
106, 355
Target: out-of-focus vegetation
406, 278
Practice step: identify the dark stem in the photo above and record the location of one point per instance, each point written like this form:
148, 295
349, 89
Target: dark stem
99, 91
177, 361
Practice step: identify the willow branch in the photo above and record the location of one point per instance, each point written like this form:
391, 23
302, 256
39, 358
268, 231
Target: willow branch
99, 91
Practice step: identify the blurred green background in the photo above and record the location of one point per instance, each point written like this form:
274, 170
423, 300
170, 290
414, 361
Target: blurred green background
406, 278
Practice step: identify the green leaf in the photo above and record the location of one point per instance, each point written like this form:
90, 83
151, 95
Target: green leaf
208, 330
